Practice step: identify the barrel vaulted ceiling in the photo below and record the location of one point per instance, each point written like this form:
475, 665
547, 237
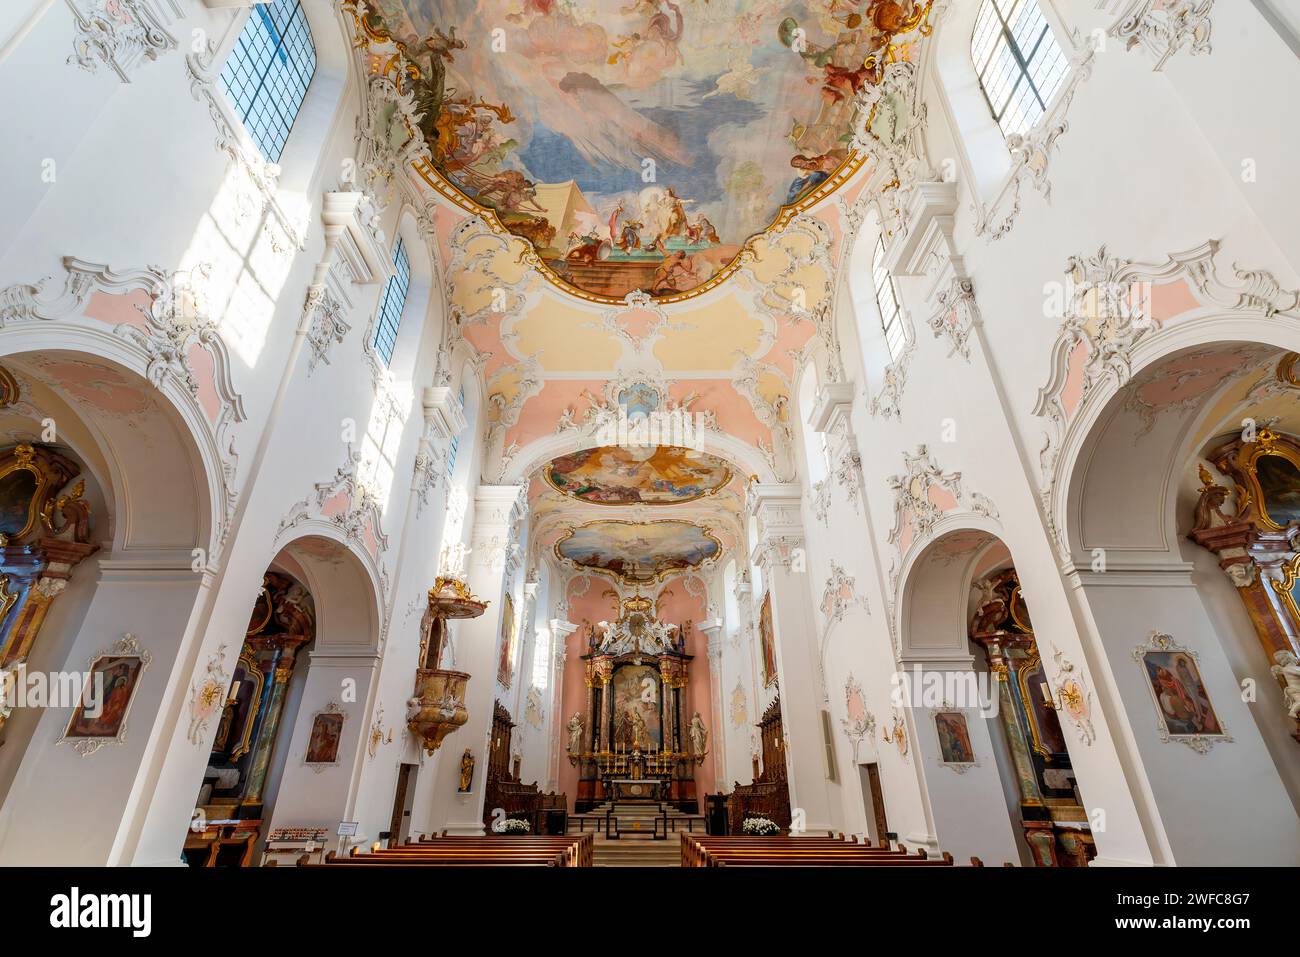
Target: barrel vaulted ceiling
767, 128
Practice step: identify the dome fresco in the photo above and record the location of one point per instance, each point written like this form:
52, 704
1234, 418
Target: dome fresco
639, 145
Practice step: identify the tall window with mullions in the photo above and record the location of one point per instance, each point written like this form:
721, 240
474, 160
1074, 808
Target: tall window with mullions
454, 447
891, 313
390, 311
1020, 64
268, 72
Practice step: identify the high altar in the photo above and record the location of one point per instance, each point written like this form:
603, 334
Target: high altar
635, 742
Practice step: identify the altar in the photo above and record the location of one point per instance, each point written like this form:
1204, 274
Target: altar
634, 790
634, 741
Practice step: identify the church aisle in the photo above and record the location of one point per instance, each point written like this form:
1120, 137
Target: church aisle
638, 852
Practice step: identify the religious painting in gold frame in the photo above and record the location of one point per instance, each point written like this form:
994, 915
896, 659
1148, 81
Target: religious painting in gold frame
955, 748
29, 477
1269, 467
1046, 737
767, 639
1184, 712
504, 672
112, 680
326, 738
243, 702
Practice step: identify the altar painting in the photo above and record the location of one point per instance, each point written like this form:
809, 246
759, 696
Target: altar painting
767, 638
1279, 483
637, 713
639, 145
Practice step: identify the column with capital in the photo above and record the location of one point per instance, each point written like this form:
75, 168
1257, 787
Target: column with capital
779, 552
494, 560
284, 651
717, 742
560, 632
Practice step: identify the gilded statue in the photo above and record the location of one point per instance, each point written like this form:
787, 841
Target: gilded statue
466, 771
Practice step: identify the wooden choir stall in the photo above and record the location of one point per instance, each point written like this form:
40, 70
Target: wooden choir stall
545, 813
769, 795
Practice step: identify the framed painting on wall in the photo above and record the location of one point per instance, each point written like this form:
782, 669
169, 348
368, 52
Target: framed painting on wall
1183, 709
504, 673
767, 638
955, 748
106, 698
326, 736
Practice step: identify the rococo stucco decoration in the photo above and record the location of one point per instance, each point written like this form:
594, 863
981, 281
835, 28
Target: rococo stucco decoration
207, 696
117, 34
1074, 696
1163, 27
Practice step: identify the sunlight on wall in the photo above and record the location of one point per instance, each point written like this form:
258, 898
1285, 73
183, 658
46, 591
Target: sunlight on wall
248, 255
542, 658
382, 439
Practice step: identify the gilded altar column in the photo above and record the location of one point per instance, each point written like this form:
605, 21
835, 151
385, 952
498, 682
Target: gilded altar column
286, 652
1026, 777
780, 553
606, 712
493, 561
591, 733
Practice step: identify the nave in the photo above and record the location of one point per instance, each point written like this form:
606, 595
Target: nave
672, 433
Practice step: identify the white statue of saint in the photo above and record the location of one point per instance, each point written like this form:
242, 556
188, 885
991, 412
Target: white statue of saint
699, 735
575, 734
1288, 670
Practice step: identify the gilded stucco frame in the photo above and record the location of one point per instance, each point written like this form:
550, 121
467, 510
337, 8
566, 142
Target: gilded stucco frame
1282, 587
51, 471
1251, 495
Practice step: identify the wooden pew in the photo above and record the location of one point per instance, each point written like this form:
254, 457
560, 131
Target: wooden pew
784, 851
496, 851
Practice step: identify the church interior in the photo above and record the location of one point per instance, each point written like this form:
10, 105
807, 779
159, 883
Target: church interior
650, 433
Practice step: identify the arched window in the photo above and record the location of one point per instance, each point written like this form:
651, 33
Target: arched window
268, 72
1019, 62
390, 312
891, 314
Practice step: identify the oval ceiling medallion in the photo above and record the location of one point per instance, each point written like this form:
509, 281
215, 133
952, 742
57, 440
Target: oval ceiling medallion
638, 552
638, 475
638, 146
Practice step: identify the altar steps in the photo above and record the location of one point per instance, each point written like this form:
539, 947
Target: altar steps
637, 852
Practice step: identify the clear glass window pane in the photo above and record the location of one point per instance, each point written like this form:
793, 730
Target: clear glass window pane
267, 73
1020, 64
390, 310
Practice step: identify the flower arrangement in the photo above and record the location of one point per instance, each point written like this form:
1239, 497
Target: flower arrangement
760, 826
511, 825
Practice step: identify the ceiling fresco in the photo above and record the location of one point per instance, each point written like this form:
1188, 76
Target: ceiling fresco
640, 145
637, 552
638, 475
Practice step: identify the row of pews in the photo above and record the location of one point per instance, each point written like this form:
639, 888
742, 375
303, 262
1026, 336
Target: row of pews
699, 850
575, 850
